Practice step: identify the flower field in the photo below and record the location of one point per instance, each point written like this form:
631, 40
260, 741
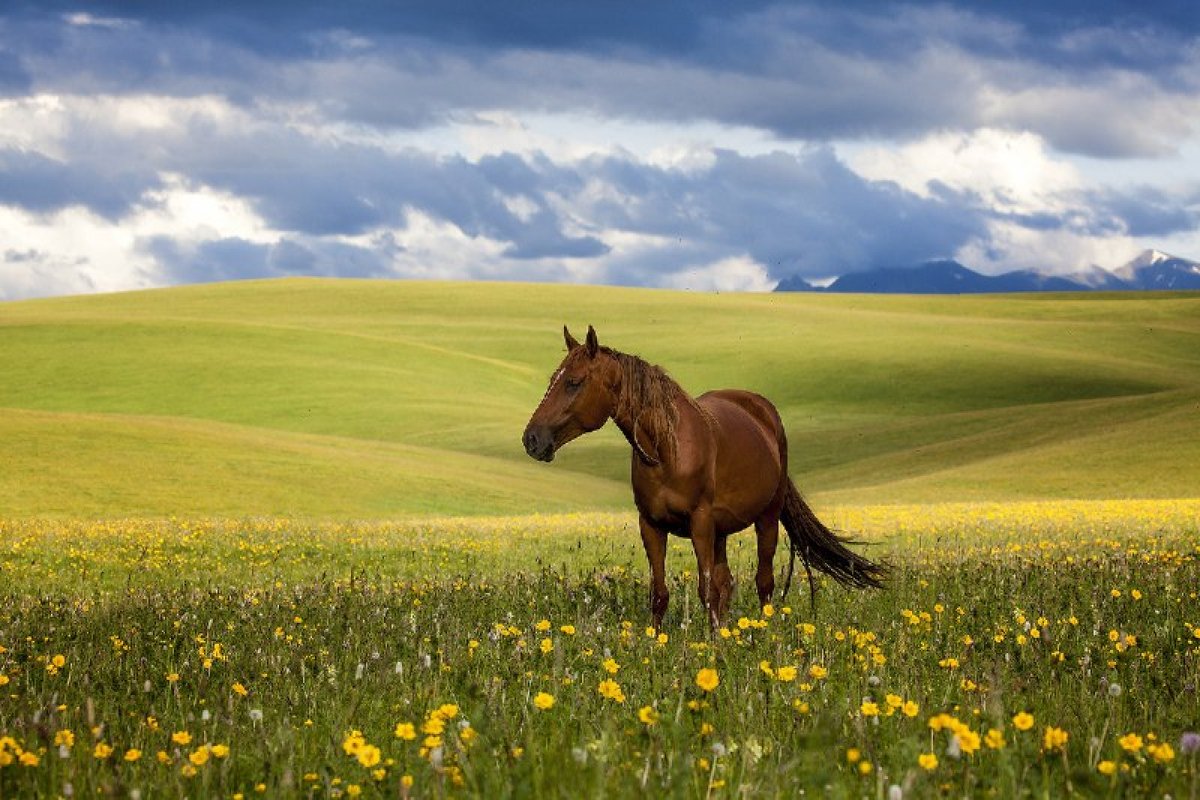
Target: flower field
1027, 649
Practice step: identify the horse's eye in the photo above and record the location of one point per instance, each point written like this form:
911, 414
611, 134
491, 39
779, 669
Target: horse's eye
574, 383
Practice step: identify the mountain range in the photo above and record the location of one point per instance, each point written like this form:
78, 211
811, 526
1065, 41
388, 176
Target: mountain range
1152, 270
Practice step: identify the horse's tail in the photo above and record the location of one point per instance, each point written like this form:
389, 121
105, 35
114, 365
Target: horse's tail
820, 547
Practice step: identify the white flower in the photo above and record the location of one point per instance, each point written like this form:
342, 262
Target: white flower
895, 792
256, 715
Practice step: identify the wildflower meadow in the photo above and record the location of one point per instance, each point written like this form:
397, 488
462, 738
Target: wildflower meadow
1018, 650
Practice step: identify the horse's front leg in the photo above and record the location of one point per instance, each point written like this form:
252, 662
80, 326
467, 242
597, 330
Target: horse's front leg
704, 543
655, 542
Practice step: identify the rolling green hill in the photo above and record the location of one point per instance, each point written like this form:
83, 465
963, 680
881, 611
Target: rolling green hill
336, 398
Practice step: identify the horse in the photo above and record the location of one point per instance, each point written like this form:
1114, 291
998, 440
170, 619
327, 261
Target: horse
701, 467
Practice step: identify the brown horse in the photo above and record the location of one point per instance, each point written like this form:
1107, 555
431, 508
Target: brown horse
702, 468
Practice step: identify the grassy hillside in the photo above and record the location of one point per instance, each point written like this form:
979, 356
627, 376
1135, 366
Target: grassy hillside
364, 398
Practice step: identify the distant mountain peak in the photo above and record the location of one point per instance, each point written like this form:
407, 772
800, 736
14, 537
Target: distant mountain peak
1150, 270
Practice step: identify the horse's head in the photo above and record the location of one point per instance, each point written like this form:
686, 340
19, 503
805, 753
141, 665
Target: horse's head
580, 399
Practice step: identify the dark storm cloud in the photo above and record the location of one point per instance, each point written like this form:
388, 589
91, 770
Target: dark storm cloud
801, 213
40, 184
234, 258
803, 70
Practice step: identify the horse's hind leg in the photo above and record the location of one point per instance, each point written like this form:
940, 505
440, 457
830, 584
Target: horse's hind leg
655, 542
767, 529
722, 578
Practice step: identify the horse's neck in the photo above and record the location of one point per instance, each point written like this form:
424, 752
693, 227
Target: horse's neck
654, 447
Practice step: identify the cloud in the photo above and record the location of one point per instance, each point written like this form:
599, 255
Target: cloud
42, 184
1119, 85
672, 143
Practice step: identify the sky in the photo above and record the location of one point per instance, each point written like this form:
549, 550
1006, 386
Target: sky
695, 145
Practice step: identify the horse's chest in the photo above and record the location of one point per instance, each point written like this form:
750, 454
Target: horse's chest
669, 507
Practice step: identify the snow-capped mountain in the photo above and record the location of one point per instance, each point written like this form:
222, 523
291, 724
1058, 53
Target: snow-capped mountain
1152, 270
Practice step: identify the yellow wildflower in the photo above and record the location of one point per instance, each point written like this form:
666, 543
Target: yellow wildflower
707, 679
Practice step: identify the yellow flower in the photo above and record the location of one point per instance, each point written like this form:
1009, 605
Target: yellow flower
968, 740
368, 755
543, 625
29, 759
768, 611
133, 754
994, 739
1162, 752
927, 761
610, 666
239, 689
1023, 721
3, 680
647, 715
181, 737
817, 672
1130, 742
543, 701
910, 708
187, 771
786, 674
59, 661
64, 737
406, 781
353, 790
353, 741
569, 630
1106, 767
199, 756
220, 750
765, 668
546, 645
853, 755
406, 731
102, 750
611, 690
434, 726
707, 679
446, 711
1054, 739
172, 677
864, 768
869, 709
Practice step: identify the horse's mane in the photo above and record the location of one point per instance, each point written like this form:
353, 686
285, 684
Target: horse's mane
647, 397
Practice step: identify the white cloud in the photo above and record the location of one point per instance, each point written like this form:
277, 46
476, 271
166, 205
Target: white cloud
1013, 172
737, 274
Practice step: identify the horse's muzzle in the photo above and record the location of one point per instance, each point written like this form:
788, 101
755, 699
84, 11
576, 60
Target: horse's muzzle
539, 443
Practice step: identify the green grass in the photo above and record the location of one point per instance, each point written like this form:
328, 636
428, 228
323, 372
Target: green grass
1067, 612
340, 399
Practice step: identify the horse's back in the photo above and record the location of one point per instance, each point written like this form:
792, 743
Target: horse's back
757, 406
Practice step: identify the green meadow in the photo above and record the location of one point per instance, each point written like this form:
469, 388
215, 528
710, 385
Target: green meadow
365, 399
280, 539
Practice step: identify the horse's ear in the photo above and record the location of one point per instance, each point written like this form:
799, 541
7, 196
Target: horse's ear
572, 343
593, 344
